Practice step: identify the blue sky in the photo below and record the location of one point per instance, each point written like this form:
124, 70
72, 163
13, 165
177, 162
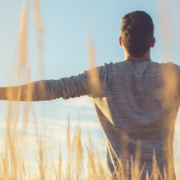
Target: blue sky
66, 28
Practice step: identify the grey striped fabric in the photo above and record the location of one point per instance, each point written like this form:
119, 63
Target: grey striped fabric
137, 108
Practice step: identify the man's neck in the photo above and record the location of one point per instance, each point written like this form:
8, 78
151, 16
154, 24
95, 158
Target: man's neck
146, 57
137, 59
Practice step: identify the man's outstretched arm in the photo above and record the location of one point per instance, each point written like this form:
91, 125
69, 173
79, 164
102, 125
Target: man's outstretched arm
35, 91
73, 86
70, 87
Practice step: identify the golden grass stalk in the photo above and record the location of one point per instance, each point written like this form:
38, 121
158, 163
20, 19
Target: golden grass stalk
167, 30
39, 33
92, 170
155, 171
22, 48
94, 79
59, 163
58, 170
79, 154
147, 175
100, 169
68, 140
41, 160
136, 171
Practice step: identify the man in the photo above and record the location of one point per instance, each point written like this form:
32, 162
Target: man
137, 102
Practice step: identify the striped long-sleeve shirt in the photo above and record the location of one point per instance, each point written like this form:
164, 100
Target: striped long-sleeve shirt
137, 108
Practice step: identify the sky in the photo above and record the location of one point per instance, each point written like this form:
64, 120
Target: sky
67, 26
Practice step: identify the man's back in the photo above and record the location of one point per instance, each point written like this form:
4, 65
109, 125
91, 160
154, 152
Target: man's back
137, 108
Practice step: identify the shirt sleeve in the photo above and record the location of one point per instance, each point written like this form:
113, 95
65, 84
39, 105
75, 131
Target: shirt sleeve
171, 79
69, 87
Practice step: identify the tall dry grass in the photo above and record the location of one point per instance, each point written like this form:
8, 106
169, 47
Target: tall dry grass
168, 26
94, 80
13, 166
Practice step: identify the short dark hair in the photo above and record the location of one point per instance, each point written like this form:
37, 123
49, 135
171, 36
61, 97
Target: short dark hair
137, 32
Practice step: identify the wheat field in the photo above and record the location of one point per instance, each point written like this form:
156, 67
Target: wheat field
81, 163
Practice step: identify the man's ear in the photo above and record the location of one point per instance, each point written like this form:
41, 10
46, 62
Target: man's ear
120, 41
153, 42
